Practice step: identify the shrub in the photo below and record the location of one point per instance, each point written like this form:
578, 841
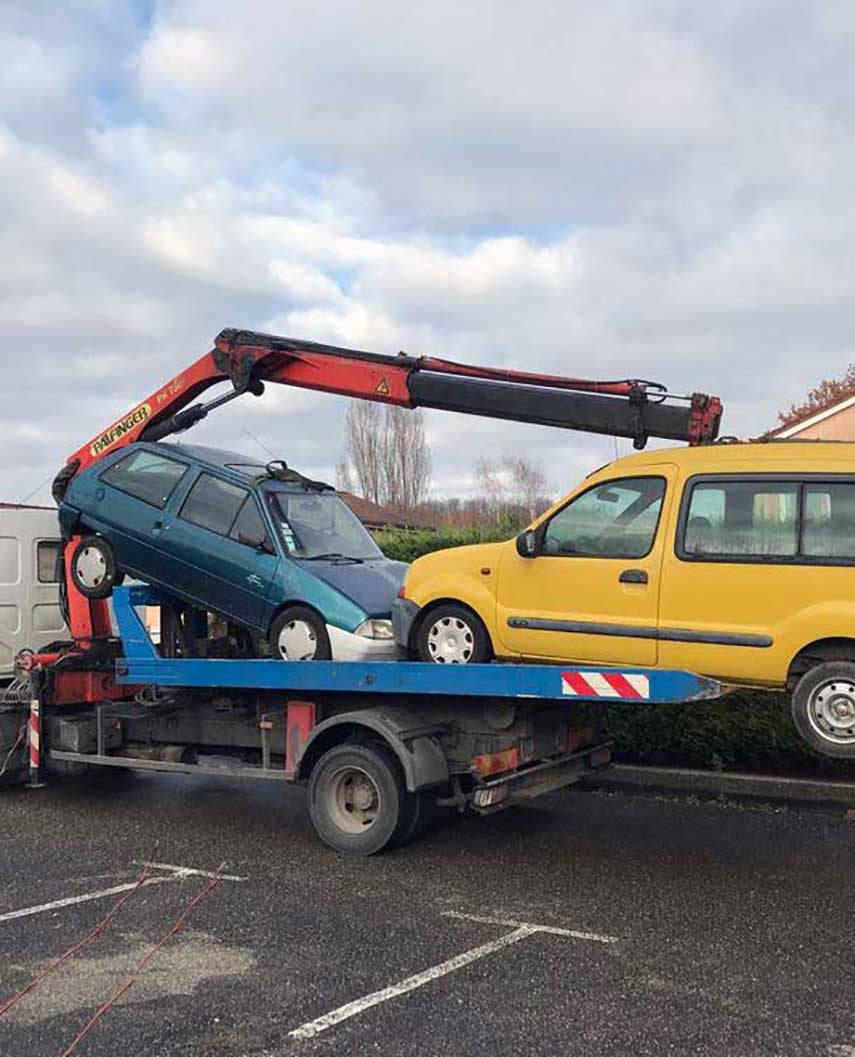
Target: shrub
407, 546
747, 729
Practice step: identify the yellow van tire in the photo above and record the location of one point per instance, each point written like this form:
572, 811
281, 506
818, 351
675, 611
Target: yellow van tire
453, 634
823, 708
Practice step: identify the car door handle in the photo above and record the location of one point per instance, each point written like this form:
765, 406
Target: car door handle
633, 576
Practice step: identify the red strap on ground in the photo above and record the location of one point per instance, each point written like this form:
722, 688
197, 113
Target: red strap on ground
99, 928
146, 961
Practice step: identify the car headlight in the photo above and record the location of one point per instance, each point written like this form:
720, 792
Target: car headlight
375, 629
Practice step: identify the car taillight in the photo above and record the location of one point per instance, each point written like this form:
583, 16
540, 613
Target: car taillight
402, 591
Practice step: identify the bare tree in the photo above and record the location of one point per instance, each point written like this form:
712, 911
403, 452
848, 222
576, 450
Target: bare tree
492, 488
343, 475
362, 446
529, 484
387, 454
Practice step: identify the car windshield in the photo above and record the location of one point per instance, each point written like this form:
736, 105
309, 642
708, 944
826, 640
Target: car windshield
314, 526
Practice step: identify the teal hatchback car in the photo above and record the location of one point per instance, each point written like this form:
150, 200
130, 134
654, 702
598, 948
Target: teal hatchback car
263, 546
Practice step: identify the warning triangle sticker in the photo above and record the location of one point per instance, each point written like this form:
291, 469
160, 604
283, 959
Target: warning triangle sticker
382, 388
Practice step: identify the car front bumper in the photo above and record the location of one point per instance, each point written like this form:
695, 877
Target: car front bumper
404, 613
346, 646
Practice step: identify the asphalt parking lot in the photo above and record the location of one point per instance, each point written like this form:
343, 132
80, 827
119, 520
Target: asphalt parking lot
584, 924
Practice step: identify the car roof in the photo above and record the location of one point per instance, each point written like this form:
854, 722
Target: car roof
762, 456
219, 457
241, 467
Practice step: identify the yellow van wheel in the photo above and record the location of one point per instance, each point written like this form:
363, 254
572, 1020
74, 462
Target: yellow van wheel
453, 634
823, 708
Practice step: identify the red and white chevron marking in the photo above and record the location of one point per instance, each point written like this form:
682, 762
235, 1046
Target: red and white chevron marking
35, 735
631, 685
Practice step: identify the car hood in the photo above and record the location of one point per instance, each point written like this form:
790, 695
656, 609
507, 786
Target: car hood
372, 585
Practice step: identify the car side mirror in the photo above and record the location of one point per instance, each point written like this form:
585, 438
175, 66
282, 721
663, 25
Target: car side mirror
263, 546
527, 544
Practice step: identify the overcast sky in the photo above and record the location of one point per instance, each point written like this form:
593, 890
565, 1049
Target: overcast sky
646, 188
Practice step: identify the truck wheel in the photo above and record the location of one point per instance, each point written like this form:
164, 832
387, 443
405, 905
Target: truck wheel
93, 568
299, 634
417, 815
357, 798
823, 708
452, 634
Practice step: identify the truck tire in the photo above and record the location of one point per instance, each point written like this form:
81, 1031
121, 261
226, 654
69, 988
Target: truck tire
453, 634
93, 568
299, 634
823, 708
419, 812
357, 798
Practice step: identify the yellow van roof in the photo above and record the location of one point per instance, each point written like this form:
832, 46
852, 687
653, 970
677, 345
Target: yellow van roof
763, 456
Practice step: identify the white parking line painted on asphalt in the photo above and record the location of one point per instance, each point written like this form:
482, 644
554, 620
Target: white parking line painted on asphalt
550, 929
175, 873
352, 1009
187, 871
522, 930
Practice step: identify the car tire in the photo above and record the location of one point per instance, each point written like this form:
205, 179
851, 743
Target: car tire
357, 798
94, 571
453, 634
823, 708
299, 634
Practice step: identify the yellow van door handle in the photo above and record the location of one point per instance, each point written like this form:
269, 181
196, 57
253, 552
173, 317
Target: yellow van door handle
633, 576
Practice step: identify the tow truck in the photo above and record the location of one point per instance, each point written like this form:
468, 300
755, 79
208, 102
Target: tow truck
380, 745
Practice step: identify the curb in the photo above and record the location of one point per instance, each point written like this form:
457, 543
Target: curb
627, 777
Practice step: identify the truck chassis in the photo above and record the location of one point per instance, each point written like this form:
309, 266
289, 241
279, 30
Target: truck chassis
381, 745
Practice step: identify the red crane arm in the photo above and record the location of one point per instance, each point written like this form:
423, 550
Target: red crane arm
246, 359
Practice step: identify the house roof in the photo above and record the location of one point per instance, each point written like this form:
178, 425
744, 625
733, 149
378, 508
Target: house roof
382, 517
796, 425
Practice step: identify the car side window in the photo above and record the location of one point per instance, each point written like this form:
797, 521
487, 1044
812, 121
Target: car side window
828, 529
617, 519
213, 504
146, 476
742, 519
249, 524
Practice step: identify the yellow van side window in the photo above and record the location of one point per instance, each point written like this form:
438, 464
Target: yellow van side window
743, 519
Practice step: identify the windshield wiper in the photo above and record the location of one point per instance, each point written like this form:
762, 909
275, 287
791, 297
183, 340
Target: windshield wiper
334, 556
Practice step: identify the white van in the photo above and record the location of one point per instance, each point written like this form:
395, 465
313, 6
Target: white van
30, 611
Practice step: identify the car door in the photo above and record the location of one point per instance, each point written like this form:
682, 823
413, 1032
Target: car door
591, 591
220, 540
129, 505
735, 577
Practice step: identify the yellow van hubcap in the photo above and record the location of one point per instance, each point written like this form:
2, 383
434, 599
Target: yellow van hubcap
831, 711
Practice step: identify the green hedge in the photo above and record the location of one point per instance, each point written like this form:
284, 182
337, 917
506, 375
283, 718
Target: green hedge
407, 546
745, 730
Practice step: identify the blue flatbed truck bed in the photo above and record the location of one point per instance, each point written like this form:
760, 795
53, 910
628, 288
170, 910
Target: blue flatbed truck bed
381, 745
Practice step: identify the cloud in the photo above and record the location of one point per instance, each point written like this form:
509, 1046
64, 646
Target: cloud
640, 189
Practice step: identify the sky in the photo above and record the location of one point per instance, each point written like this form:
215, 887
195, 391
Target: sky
637, 188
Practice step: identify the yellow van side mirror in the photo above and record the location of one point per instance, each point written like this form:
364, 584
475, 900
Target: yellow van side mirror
527, 544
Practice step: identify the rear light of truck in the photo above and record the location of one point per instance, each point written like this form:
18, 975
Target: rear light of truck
496, 762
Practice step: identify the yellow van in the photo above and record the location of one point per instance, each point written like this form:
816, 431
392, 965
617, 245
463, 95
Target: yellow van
733, 560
